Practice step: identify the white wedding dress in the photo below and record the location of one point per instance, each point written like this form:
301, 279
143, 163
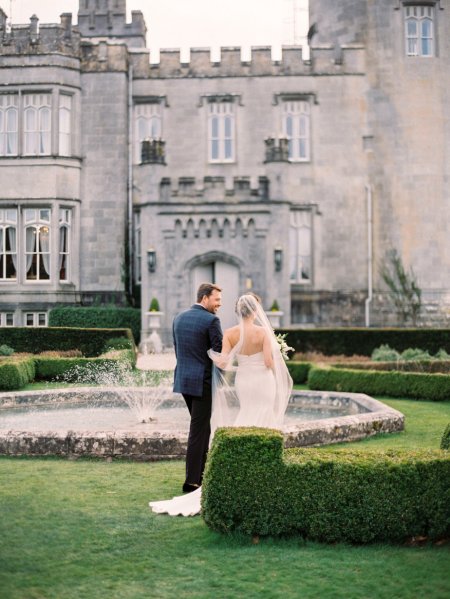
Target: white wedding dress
256, 391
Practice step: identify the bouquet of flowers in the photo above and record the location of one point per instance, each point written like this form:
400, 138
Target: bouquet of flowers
284, 347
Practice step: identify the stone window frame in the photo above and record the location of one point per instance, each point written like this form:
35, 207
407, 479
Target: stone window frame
212, 103
9, 136
295, 225
7, 224
434, 7
7, 319
309, 99
154, 106
37, 317
65, 223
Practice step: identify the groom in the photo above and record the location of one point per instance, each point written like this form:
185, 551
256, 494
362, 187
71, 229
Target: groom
194, 332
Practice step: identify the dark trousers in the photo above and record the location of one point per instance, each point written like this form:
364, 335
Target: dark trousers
199, 433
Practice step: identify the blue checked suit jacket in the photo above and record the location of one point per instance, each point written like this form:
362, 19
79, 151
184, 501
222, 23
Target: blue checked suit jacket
194, 332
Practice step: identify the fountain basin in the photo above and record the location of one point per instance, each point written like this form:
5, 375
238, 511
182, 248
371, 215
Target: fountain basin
313, 418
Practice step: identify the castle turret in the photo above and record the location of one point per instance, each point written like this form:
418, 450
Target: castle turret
338, 23
107, 18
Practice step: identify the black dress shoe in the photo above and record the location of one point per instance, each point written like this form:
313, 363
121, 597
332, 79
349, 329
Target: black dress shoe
188, 488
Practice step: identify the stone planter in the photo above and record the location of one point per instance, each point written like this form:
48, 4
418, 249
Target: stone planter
274, 317
154, 320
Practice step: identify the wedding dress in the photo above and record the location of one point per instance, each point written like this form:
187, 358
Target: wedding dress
245, 393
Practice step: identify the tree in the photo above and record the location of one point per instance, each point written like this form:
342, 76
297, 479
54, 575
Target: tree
405, 293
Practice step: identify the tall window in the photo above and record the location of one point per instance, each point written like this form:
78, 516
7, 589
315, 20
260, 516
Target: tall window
148, 125
37, 244
8, 245
65, 125
300, 246
8, 124
295, 125
65, 224
419, 30
35, 319
6, 319
221, 132
137, 247
37, 124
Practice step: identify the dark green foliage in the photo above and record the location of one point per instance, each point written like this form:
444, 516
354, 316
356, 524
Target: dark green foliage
98, 317
362, 341
435, 387
16, 373
445, 441
90, 342
154, 305
298, 371
324, 495
5, 350
274, 307
79, 369
118, 343
428, 366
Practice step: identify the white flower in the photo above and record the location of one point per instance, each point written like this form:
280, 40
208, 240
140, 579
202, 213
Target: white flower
284, 347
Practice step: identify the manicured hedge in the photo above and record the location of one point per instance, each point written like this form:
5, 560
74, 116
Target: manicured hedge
110, 318
298, 371
75, 369
428, 366
434, 387
445, 441
251, 486
91, 342
362, 341
15, 373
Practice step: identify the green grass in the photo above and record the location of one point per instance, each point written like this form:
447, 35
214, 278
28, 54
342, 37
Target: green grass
83, 529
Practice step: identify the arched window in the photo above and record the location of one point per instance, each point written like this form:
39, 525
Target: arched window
300, 247
37, 244
8, 245
148, 125
295, 126
65, 230
65, 125
221, 132
37, 124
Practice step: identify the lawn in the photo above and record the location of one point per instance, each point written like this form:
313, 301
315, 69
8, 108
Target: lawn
83, 529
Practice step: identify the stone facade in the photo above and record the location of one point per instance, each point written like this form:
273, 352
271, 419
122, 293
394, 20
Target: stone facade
188, 164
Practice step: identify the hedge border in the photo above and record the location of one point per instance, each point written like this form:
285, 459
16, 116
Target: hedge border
433, 387
15, 373
252, 487
423, 366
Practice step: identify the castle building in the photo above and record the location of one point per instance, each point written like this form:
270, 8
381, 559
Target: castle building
291, 178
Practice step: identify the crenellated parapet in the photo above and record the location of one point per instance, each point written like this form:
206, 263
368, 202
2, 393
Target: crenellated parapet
323, 59
38, 39
213, 189
103, 56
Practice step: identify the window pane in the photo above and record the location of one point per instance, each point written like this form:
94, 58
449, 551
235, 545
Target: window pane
289, 126
9, 319
227, 126
412, 27
426, 28
215, 149
41, 319
29, 319
228, 149
215, 127
293, 253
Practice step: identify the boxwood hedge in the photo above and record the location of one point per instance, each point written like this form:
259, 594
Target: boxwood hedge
430, 366
97, 317
251, 486
91, 342
15, 373
362, 341
445, 441
434, 387
299, 371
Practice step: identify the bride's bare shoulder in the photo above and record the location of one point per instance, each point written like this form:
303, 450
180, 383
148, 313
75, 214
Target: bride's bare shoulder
232, 331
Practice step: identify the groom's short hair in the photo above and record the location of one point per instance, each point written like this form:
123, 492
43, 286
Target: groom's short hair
206, 289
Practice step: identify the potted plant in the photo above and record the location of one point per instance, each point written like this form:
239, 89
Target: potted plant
154, 315
274, 315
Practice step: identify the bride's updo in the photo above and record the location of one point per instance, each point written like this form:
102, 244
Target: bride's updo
247, 305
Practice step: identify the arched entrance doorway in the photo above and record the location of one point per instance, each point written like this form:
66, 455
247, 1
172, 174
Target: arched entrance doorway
226, 275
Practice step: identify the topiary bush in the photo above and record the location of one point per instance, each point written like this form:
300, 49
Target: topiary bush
434, 387
111, 318
16, 373
5, 350
445, 441
252, 487
154, 305
384, 353
299, 371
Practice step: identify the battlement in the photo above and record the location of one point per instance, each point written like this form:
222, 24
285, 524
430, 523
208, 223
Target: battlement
213, 189
348, 59
109, 20
33, 38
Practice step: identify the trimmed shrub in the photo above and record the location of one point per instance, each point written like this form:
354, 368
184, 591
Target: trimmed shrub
428, 366
298, 371
37, 339
445, 441
324, 495
362, 341
5, 350
110, 318
384, 353
16, 373
74, 370
154, 305
434, 387
415, 354
118, 343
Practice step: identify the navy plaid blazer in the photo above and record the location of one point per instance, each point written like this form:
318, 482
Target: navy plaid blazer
194, 332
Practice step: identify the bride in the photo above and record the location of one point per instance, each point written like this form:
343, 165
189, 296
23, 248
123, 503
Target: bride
250, 373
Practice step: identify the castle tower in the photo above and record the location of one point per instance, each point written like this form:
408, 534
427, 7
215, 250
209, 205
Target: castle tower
340, 22
107, 18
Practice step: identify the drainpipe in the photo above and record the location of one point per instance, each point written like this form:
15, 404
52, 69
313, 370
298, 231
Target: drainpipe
369, 254
130, 180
